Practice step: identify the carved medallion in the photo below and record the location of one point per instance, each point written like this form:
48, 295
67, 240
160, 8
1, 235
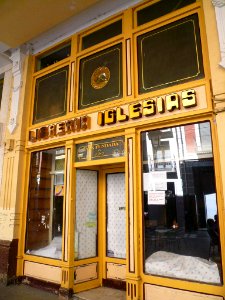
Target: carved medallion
100, 77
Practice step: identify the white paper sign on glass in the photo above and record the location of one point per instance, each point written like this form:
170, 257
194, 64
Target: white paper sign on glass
155, 181
156, 198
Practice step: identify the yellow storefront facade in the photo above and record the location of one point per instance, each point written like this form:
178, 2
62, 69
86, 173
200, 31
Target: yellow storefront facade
114, 175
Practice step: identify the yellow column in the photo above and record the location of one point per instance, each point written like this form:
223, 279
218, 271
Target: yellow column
133, 243
68, 236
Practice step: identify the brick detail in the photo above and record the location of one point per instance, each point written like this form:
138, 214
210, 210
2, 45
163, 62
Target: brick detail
8, 260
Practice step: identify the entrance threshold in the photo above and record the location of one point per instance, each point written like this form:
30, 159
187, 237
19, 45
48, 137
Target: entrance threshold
101, 293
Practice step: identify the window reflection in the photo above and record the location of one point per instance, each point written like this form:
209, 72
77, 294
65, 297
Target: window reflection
180, 209
45, 204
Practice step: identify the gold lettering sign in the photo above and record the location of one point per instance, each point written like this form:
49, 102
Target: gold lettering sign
59, 129
137, 110
148, 107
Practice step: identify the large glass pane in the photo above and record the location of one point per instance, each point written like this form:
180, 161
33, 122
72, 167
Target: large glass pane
170, 55
45, 204
86, 214
101, 77
181, 232
116, 215
51, 95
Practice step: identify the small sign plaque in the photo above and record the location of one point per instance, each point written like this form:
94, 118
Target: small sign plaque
101, 149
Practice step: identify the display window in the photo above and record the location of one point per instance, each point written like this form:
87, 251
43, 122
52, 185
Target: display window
45, 204
180, 213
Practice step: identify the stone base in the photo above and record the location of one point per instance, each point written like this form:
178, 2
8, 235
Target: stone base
8, 261
42, 285
116, 284
65, 293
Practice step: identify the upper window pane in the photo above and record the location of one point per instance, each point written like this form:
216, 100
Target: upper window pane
181, 232
53, 57
160, 9
51, 95
102, 34
101, 77
170, 55
45, 204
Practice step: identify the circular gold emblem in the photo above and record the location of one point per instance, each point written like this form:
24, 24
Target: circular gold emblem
100, 77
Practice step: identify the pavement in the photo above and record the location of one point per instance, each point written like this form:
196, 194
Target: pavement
26, 292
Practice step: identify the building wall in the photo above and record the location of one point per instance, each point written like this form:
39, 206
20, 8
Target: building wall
15, 164
13, 114
214, 19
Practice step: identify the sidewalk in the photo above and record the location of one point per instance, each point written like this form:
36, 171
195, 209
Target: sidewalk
25, 292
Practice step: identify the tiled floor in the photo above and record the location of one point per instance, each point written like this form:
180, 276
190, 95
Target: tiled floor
101, 293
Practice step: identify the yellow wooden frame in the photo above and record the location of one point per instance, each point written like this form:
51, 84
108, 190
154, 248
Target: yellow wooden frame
177, 283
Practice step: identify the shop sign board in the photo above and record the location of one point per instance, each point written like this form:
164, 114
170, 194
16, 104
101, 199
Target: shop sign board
137, 110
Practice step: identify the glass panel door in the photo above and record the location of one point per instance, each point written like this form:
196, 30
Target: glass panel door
86, 214
116, 215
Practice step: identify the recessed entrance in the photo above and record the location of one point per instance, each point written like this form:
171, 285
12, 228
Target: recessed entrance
100, 227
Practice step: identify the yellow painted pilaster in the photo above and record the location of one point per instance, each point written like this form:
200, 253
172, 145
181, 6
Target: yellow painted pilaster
133, 239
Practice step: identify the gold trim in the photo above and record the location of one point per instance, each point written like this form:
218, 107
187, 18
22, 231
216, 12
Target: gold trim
100, 77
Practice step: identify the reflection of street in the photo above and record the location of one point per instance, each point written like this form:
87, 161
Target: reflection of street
195, 243
168, 238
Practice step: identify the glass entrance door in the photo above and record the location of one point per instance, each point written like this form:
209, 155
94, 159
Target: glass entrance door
100, 227
116, 215
114, 248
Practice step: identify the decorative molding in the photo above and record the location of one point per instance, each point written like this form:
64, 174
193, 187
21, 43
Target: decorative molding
17, 60
220, 19
7, 184
219, 103
218, 3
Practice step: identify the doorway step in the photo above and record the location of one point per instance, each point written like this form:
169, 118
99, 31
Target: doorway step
101, 293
